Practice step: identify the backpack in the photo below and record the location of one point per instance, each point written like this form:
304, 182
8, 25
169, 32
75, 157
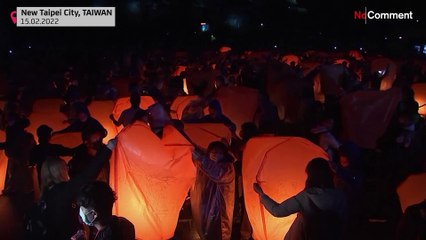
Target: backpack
35, 221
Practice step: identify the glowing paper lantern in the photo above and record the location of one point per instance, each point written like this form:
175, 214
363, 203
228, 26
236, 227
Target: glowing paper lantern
46, 111
356, 55
3, 162
288, 59
239, 104
179, 105
203, 134
224, 49
151, 178
278, 165
420, 96
178, 71
385, 65
369, 111
342, 61
412, 190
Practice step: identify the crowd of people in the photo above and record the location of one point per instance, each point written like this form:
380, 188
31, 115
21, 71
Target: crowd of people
344, 193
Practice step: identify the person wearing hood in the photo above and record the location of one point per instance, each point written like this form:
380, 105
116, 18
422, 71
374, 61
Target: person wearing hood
320, 208
216, 116
213, 193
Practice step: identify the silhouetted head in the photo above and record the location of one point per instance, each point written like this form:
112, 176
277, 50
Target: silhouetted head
319, 174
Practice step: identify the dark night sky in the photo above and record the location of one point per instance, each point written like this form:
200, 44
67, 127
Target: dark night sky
165, 23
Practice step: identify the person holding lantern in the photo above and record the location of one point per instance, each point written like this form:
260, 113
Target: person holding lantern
213, 193
321, 208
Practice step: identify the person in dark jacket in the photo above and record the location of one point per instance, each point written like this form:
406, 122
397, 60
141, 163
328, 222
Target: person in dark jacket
84, 121
46, 149
85, 153
321, 208
96, 200
216, 116
212, 196
59, 192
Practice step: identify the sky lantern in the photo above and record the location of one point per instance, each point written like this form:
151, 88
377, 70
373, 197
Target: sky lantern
356, 55
202, 134
239, 104
278, 165
225, 49
179, 105
288, 59
412, 190
369, 111
387, 68
46, 111
152, 178
420, 96
3, 162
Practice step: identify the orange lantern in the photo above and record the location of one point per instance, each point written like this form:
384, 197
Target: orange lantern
3, 162
179, 105
151, 178
386, 67
412, 190
420, 96
46, 111
356, 55
370, 111
203, 134
239, 104
278, 165
288, 59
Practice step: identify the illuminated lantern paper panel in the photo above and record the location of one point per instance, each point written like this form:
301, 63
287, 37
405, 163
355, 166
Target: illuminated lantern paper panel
412, 190
46, 111
239, 104
179, 105
420, 96
278, 165
151, 178
3, 162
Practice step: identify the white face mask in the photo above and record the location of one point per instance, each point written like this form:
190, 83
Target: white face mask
84, 218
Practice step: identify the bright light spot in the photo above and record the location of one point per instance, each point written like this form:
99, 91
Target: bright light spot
275, 46
10, 51
386, 38
185, 86
29, 46
261, 24
360, 48
335, 48
417, 20
400, 37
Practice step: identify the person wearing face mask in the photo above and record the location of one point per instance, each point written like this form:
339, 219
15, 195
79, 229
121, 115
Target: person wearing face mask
96, 200
86, 152
59, 192
212, 196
